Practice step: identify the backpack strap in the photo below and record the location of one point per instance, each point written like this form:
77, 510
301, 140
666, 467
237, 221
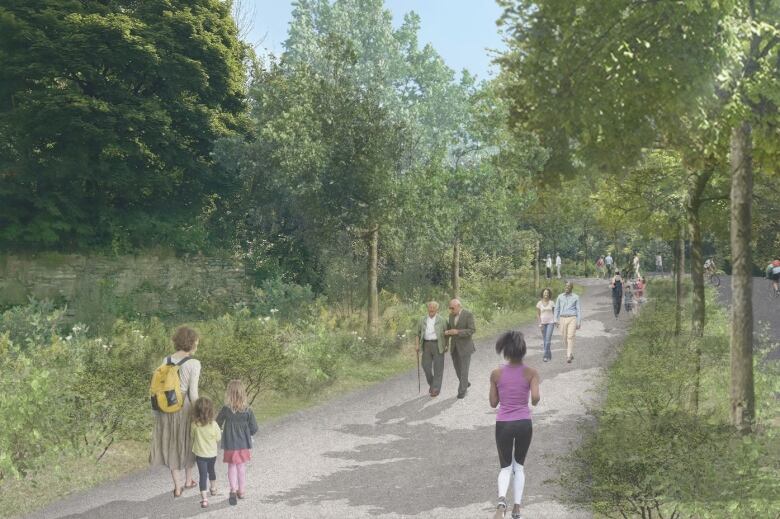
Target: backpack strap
169, 361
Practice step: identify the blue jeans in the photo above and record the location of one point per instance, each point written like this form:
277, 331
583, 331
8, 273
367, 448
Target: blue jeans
547, 331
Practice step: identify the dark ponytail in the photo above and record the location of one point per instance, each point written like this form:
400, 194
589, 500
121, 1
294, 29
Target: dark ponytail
512, 346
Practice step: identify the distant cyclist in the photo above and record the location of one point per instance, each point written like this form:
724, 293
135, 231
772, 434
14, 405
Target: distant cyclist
773, 273
709, 266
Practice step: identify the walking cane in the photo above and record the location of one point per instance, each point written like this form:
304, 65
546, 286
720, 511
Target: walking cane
419, 386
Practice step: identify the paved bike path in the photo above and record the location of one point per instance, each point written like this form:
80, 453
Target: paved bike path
386, 452
766, 311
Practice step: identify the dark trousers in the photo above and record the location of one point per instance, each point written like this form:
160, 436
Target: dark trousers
549, 273
616, 300
461, 362
432, 364
206, 468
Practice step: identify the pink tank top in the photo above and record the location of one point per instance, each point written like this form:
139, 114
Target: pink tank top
513, 393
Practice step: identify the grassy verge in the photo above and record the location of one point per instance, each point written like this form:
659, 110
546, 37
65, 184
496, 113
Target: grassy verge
72, 474
661, 445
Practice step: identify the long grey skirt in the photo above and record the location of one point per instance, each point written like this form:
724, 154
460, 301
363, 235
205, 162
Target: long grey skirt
172, 440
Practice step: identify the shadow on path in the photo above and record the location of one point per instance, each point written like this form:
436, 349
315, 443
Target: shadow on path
186, 506
400, 468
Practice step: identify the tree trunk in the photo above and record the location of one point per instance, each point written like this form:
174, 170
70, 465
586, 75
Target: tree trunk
456, 269
697, 184
742, 391
697, 275
537, 255
679, 269
372, 241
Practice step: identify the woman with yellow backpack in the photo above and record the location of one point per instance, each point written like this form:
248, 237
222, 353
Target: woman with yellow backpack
173, 389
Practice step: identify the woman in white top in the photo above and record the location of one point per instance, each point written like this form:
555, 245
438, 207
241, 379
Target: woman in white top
171, 438
545, 318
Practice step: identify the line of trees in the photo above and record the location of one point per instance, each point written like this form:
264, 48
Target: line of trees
356, 157
613, 88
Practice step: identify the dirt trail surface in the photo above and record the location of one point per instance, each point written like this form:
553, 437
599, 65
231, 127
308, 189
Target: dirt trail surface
766, 311
387, 452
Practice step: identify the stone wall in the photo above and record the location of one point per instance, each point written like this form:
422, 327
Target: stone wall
97, 287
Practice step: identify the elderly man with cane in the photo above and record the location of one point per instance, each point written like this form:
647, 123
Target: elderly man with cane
430, 331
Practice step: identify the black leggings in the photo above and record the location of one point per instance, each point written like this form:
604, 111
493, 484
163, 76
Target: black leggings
515, 434
206, 468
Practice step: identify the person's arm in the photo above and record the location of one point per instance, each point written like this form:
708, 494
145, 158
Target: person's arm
579, 312
538, 315
252, 423
535, 394
221, 417
493, 397
557, 310
194, 380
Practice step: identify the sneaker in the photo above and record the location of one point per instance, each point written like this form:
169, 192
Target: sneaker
545, 359
571, 358
500, 508
233, 499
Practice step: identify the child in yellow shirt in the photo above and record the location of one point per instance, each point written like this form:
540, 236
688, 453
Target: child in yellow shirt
205, 439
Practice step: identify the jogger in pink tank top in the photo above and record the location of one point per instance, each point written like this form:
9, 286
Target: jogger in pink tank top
511, 386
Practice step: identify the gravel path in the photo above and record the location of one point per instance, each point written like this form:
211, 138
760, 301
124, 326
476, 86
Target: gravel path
386, 452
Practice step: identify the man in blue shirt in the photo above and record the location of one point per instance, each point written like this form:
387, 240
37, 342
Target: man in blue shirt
568, 315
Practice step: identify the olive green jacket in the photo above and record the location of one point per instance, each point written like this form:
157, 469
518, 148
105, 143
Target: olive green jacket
440, 325
462, 342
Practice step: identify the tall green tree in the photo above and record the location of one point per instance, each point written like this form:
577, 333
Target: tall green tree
344, 121
108, 114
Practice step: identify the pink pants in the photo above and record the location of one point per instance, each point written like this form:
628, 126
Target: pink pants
237, 476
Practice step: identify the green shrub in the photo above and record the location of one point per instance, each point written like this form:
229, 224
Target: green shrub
240, 346
286, 301
34, 417
32, 324
109, 390
314, 361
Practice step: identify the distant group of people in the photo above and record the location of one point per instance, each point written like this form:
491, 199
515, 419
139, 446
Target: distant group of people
627, 293
548, 264
436, 335
606, 266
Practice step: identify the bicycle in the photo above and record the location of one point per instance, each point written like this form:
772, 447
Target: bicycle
774, 294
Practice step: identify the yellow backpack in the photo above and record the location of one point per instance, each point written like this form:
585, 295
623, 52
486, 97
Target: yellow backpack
165, 389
